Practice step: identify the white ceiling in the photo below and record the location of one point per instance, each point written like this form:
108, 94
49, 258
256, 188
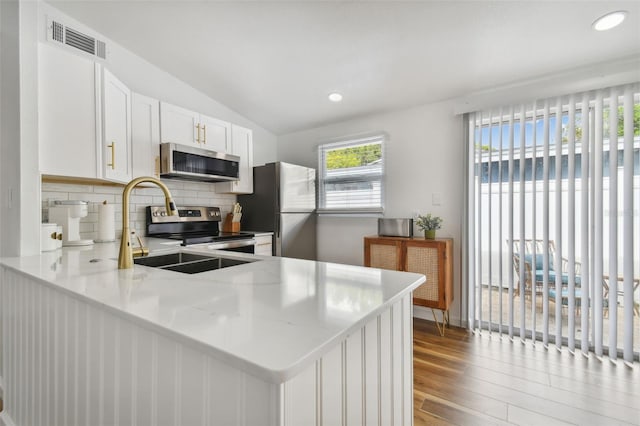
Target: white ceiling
276, 62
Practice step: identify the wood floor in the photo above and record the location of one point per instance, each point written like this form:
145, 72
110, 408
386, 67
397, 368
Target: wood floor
468, 379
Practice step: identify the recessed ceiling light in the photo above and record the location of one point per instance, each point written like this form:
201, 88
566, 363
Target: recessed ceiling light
335, 97
610, 20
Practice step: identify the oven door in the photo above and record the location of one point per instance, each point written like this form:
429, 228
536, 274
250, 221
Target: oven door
247, 245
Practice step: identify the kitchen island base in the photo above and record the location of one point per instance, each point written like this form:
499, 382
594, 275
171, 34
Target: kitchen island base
70, 361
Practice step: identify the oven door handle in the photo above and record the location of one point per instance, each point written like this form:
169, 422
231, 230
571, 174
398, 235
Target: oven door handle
223, 245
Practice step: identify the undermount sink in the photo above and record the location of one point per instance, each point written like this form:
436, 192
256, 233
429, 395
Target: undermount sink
188, 263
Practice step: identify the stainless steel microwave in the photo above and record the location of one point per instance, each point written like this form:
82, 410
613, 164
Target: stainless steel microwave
186, 162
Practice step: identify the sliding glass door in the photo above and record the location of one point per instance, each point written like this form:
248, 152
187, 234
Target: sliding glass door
554, 221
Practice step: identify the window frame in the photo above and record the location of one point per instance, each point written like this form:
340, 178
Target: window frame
347, 142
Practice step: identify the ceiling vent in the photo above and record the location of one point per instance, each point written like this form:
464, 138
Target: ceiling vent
76, 40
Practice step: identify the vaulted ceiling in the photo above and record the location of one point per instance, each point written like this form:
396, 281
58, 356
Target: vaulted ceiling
276, 62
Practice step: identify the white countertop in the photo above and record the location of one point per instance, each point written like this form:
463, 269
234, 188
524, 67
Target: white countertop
270, 318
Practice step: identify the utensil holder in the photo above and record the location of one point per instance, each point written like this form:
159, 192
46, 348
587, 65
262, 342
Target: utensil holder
229, 225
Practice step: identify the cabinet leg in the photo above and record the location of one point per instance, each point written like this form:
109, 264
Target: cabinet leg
445, 321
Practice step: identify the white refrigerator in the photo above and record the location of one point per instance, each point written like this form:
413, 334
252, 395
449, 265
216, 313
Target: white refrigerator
283, 202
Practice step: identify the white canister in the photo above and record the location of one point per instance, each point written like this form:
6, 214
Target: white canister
49, 237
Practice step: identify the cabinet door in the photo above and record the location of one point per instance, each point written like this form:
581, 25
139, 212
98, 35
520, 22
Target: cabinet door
66, 113
264, 245
116, 127
242, 146
145, 135
383, 253
426, 257
178, 125
215, 134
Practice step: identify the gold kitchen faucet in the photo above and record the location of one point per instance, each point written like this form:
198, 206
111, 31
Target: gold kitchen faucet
125, 258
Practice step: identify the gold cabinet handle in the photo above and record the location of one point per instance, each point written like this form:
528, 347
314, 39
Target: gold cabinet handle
198, 137
54, 236
204, 128
113, 155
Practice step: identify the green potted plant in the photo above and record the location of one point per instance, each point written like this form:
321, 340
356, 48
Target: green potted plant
429, 224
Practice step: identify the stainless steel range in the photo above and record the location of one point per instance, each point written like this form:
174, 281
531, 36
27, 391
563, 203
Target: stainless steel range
196, 225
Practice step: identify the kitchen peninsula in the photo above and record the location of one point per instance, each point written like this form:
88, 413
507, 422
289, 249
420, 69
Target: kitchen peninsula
276, 341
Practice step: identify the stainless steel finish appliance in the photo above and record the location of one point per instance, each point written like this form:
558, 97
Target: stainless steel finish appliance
395, 227
197, 225
191, 163
283, 202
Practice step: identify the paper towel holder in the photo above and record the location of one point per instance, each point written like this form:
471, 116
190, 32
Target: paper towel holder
106, 223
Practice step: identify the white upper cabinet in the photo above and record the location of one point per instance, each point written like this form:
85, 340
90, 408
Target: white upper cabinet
116, 128
84, 118
66, 113
180, 125
145, 135
242, 146
215, 134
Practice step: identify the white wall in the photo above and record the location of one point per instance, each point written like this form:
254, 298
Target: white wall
19, 182
424, 155
147, 79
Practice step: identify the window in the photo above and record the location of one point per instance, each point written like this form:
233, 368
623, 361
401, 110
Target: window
352, 175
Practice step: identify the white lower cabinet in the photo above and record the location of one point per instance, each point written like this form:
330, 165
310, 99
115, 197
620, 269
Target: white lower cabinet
100, 367
145, 135
264, 245
242, 146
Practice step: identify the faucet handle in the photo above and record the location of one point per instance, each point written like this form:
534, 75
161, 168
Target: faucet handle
141, 250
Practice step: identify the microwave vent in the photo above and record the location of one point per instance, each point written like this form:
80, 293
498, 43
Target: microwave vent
77, 40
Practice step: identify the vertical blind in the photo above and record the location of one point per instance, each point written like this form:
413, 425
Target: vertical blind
554, 221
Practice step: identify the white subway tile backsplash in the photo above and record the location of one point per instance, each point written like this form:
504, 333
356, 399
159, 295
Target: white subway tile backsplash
184, 194
141, 199
199, 186
174, 184
103, 189
67, 187
52, 196
96, 198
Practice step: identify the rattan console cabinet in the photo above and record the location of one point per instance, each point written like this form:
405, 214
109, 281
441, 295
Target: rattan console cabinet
433, 258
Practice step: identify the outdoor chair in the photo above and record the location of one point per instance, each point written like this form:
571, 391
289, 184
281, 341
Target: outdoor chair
636, 284
537, 262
